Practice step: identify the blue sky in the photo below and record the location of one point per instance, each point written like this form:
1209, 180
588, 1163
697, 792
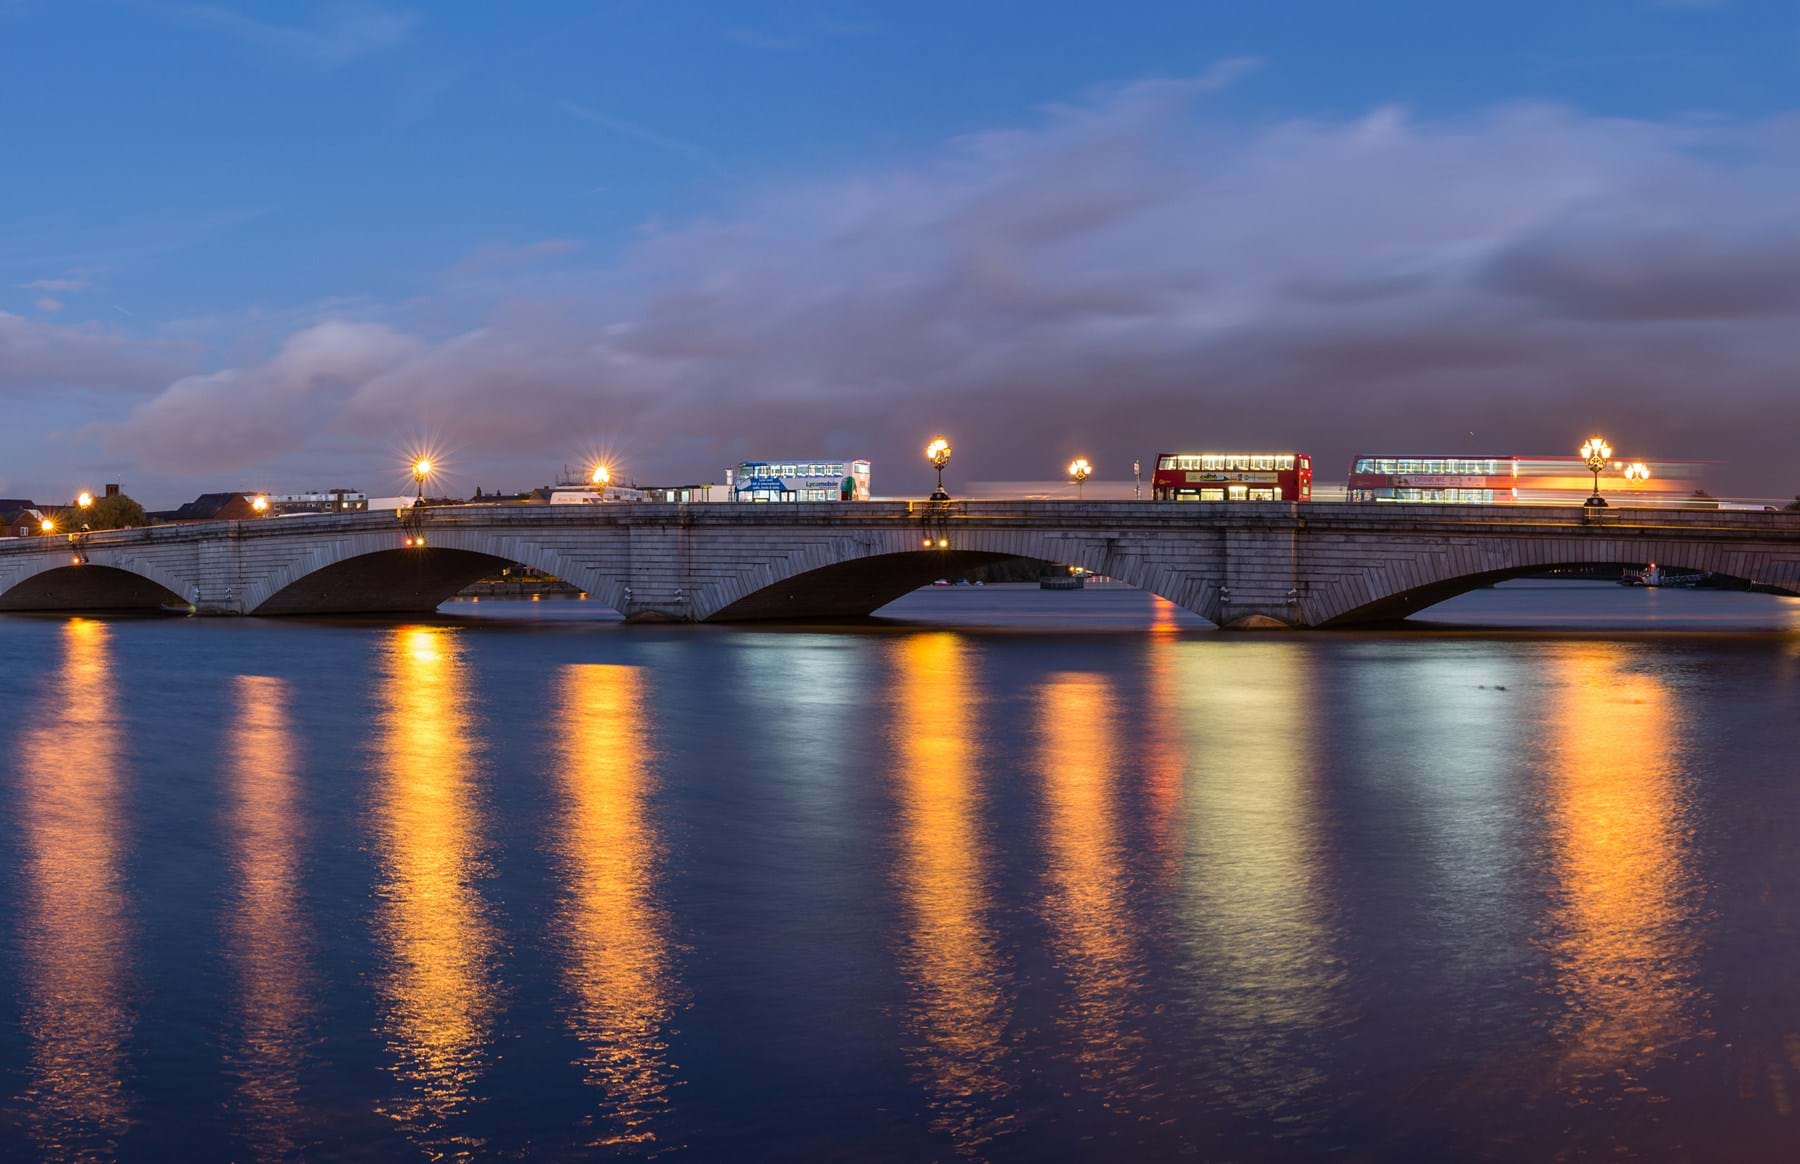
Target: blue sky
678, 232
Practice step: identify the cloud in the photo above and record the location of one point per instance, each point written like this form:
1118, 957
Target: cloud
502, 257
55, 286
1124, 276
46, 303
344, 34
38, 357
241, 417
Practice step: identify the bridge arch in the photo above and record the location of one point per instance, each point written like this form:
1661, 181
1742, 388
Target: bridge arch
58, 582
376, 573
855, 575
1405, 585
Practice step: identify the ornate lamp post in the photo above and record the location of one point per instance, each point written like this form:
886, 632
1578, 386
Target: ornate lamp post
1596, 454
421, 469
601, 477
1080, 470
259, 505
1637, 471
84, 502
938, 453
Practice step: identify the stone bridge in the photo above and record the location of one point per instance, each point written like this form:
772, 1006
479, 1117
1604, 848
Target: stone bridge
1251, 564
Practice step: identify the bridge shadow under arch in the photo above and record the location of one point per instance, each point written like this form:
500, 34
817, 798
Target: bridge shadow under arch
1403, 604
89, 586
861, 586
392, 581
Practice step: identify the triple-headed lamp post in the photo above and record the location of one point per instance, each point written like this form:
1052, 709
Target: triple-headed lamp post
1596, 454
1080, 471
938, 453
421, 469
601, 478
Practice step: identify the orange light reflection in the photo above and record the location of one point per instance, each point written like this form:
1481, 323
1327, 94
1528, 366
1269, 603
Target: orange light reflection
1087, 910
618, 960
959, 999
1619, 820
268, 945
438, 983
75, 933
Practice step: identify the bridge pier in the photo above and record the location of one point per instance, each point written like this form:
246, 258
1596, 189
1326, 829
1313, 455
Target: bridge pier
1262, 583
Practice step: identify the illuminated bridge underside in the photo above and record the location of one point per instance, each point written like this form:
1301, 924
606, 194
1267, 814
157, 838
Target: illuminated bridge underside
1238, 565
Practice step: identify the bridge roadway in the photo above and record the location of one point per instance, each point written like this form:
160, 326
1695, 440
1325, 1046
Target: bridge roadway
1242, 564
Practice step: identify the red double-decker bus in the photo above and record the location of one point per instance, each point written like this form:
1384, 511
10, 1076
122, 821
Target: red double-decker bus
1232, 477
1492, 480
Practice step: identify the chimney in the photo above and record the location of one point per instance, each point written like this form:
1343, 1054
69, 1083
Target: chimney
112, 489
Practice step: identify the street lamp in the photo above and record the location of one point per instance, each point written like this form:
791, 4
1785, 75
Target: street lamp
1596, 454
1637, 471
47, 526
1081, 471
84, 502
260, 505
938, 453
602, 477
421, 469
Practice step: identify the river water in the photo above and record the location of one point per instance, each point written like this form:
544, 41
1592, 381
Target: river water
1015, 875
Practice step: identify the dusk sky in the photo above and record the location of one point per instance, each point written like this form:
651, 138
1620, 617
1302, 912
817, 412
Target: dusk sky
278, 246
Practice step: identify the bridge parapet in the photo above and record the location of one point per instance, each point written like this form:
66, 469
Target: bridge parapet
1241, 564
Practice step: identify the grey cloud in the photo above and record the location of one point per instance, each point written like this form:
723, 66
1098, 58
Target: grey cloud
37, 357
1125, 277
500, 257
1651, 275
240, 417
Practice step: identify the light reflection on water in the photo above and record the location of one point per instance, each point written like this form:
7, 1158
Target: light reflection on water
1619, 827
552, 892
960, 995
438, 982
615, 929
76, 913
1260, 943
1087, 909
269, 947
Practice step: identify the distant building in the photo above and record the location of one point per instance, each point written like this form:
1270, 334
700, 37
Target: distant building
840, 480
683, 494
211, 507
1055, 490
580, 494
20, 517
538, 496
322, 501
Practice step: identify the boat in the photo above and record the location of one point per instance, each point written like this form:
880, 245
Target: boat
1656, 578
